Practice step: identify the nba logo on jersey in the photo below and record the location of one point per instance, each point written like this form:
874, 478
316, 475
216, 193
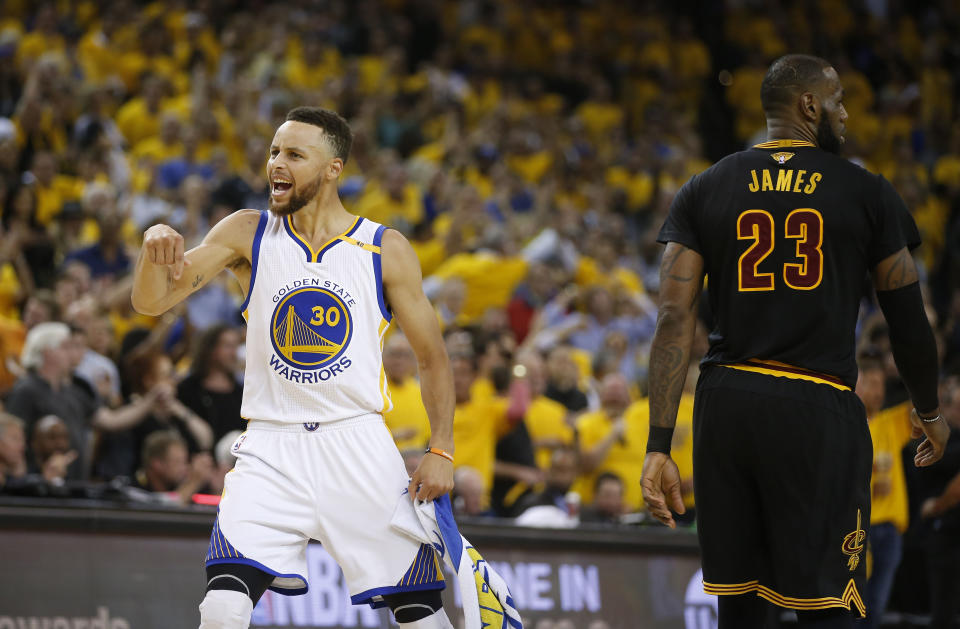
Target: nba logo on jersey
311, 426
310, 330
239, 442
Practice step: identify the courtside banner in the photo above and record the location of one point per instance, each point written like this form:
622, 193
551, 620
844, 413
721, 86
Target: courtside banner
129, 580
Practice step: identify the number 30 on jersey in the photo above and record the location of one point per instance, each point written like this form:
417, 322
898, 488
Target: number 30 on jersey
805, 226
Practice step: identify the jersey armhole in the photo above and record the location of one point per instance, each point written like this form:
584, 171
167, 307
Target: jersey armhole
378, 274
254, 258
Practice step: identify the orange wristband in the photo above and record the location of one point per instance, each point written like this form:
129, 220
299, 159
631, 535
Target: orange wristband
439, 452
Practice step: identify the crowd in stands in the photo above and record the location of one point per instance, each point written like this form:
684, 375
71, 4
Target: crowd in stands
528, 150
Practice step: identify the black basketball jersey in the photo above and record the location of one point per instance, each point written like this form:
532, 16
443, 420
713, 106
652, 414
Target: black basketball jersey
788, 234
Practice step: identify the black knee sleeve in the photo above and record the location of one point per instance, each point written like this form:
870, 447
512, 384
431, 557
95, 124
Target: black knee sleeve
238, 577
412, 606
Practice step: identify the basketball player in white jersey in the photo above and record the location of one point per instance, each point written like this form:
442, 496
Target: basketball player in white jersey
316, 461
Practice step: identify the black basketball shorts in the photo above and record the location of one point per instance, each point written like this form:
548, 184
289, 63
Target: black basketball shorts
782, 480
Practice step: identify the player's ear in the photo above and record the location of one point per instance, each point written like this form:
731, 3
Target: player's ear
334, 168
809, 106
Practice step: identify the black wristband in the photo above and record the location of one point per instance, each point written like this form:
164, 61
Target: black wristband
659, 439
913, 344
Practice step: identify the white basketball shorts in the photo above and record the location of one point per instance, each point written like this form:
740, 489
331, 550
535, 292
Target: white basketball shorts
338, 483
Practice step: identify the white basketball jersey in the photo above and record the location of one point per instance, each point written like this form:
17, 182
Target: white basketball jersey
315, 325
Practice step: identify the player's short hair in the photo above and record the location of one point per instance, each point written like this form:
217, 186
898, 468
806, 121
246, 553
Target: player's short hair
787, 78
42, 337
157, 443
335, 128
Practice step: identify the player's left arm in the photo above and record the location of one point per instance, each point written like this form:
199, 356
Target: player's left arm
403, 287
681, 280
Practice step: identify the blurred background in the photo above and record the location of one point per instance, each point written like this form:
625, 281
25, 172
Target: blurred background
529, 150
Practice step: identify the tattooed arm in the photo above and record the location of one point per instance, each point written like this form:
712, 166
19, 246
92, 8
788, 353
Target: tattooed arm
914, 348
165, 275
895, 271
681, 280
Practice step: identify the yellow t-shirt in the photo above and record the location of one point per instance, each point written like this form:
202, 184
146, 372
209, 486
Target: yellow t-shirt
482, 389
376, 205
621, 280
136, 122
890, 430
476, 425
531, 167
431, 254
155, 150
600, 118
547, 419
490, 280
34, 44
10, 288
50, 199
947, 170
408, 416
625, 458
639, 186
12, 337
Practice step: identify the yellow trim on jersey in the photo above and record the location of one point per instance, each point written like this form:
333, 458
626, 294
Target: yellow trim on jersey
314, 253
384, 390
363, 245
772, 370
850, 597
780, 144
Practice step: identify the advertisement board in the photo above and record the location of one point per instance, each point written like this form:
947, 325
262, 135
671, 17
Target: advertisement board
77, 580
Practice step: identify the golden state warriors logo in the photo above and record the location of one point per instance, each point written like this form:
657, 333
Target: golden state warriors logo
310, 329
853, 544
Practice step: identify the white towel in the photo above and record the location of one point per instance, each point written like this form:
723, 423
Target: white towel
485, 596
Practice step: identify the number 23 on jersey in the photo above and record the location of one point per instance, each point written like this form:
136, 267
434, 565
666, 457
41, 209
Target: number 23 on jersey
804, 226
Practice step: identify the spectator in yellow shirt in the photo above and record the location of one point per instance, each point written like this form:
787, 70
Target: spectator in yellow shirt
42, 39
397, 203
546, 419
476, 424
52, 189
165, 145
889, 511
139, 118
614, 439
407, 420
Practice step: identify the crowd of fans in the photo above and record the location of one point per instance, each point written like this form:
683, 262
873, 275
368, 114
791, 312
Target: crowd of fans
528, 150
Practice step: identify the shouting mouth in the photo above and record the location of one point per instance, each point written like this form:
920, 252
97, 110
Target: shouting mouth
280, 187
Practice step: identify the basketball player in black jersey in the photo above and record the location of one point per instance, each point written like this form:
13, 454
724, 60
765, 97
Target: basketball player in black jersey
786, 232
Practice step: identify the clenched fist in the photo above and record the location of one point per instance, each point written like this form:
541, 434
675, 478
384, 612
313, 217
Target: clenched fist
163, 246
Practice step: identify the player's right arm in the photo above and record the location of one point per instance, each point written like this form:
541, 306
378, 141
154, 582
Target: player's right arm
914, 349
681, 281
165, 275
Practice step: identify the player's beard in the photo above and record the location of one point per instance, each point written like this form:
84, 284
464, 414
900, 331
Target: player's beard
297, 199
826, 138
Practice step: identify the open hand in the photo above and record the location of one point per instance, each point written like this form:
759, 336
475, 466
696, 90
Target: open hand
931, 448
660, 484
